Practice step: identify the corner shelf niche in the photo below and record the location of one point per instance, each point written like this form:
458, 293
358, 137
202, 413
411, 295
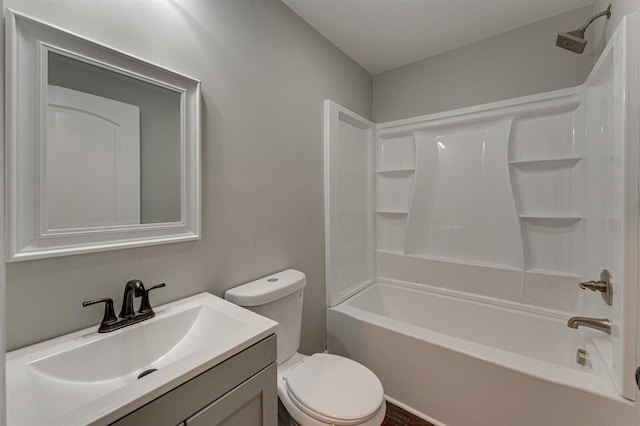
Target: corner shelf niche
551, 243
394, 189
395, 176
547, 185
549, 211
390, 231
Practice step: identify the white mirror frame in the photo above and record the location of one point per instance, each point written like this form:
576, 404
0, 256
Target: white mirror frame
28, 42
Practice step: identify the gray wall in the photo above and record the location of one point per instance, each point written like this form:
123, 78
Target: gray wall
264, 75
516, 63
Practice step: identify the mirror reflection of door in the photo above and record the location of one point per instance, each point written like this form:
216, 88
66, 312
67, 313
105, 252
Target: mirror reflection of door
92, 161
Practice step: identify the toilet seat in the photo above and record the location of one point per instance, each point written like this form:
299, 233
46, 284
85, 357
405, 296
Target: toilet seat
335, 390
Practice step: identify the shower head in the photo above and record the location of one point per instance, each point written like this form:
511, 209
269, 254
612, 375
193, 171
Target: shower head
574, 40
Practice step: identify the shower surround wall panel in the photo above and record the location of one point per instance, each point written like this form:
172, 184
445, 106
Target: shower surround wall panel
349, 158
492, 192
611, 214
463, 207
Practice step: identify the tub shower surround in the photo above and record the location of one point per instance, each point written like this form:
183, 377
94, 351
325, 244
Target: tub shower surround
455, 361
496, 211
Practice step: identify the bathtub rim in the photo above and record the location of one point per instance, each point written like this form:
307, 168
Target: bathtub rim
596, 381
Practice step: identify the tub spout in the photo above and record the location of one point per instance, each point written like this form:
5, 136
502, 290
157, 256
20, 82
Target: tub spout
599, 324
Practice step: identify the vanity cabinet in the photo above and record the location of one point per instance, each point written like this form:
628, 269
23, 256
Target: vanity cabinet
239, 391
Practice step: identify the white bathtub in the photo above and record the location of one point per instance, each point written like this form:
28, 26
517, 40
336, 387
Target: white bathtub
457, 362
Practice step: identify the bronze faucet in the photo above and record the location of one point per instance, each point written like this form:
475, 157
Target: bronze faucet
128, 315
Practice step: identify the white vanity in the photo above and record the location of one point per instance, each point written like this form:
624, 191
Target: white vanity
210, 361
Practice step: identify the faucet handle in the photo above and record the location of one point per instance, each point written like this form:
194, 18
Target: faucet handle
145, 306
604, 285
109, 314
593, 285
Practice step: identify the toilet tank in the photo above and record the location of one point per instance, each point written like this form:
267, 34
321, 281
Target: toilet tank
277, 297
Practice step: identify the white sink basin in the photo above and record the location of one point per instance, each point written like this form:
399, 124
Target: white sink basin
86, 377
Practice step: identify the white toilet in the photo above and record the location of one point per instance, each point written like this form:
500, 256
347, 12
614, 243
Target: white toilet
316, 390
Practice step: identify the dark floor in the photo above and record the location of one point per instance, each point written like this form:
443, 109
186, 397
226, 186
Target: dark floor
396, 416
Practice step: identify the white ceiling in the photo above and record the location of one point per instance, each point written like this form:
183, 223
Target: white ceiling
384, 34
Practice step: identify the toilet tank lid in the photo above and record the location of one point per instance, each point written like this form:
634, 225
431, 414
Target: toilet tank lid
267, 289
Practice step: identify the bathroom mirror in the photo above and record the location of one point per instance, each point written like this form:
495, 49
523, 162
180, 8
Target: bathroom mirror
102, 148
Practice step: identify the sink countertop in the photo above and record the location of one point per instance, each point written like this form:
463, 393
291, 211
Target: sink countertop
88, 377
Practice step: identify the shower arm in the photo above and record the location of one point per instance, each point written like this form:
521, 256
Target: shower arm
594, 17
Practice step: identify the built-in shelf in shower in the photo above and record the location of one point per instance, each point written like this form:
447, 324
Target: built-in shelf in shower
550, 218
393, 212
544, 162
397, 171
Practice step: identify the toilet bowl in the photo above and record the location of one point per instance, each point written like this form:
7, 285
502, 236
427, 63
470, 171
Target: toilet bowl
317, 390
324, 389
